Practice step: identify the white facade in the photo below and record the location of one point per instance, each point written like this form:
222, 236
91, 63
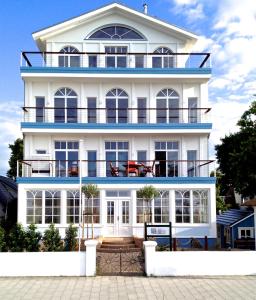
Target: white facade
116, 101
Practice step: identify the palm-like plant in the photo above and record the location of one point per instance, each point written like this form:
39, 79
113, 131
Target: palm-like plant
90, 191
148, 193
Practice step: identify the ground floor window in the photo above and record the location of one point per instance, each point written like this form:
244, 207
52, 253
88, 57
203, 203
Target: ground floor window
161, 207
143, 211
191, 206
245, 232
52, 207
73, 207
92, 211
34, 207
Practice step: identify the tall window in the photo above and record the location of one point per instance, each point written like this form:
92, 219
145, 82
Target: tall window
191, 206
65, 106
66, 158
144, 211
92, 163
73, 207
161, 207
116, 57
192, 110
142, 110
163, 59
142, 157
69, 57
117, 155
34, 207
116, 32
92, 112
92, 211
40, 112
52, 207
117, 106
167, 105
192, 163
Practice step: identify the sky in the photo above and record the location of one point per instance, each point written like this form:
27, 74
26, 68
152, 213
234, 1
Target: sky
227, 29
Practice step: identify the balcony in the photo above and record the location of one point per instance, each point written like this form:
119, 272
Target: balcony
96, 62
115, 170
117, 117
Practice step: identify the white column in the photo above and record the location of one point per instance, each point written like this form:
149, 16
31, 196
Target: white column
90, 260
150, 250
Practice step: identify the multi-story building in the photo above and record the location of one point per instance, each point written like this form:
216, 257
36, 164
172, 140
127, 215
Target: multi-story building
116, 98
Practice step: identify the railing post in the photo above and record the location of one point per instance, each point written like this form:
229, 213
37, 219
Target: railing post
17, 171
206, 243
170, 235
174, 244
145, 232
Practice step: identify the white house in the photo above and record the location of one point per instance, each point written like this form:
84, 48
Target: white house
116, 98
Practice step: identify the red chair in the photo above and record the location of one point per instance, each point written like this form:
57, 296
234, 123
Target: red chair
149, 170
132, 168
114, 170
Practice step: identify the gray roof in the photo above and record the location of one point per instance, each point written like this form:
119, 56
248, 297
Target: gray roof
231, 216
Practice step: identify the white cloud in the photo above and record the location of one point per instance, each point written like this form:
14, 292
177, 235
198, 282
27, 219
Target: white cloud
185, 2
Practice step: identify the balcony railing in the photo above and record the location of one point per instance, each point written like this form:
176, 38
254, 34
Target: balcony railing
116, 116
115, 60
103, 168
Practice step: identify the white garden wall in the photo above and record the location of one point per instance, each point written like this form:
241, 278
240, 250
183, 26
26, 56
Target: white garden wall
49, 263
198, 263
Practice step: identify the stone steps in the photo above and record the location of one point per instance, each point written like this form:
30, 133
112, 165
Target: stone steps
118, 244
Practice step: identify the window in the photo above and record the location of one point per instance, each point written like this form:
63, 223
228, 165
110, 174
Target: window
116, 32
92, 61
116, 56
139, 61
117, 155
69, 57
166, 158
39, 151
125, 212
245, 232
117, 106
142, 157
118, 193
192, 163
163, 59
52, 207
167, 106
34, 207
191, 206
142, 110
92, 163
92, 112
144, 211
92, 211
40, 109
161, 207
65, 106
192, 110
73, 207
200, 206
66, 156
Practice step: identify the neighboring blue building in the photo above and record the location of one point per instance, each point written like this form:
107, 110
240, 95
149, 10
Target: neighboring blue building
236, 228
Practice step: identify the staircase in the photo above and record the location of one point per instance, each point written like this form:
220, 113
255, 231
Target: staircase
118, 244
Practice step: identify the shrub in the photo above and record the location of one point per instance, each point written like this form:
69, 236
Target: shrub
70, 238
2, 240
16, 239
32, 239
52, 240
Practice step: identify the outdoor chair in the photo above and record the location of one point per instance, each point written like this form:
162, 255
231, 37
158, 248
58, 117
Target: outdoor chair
148, 171
114, 170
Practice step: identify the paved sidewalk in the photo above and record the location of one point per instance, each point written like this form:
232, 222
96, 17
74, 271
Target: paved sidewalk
117, 287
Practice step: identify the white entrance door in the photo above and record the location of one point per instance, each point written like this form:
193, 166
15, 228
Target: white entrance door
118, 218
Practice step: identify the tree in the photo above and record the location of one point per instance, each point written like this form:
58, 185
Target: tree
16, 154
51, 239
2, 240
16, 239
71, 238
32, 239
148, 193
237, 155
90, 191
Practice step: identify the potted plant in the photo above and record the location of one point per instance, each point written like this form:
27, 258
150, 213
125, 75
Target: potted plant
90, 191
148, 193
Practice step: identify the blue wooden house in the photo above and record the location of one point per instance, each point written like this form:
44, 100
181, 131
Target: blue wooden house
235, 228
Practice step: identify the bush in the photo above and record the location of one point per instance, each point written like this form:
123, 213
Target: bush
2, 240
70, 238
32, 239
52, 240
16, 239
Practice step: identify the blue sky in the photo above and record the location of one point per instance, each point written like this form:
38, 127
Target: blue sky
226, 29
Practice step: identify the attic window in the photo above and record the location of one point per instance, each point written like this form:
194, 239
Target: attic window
116, 33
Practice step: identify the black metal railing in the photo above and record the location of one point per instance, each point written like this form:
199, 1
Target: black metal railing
115, 60
107, 168
115, 115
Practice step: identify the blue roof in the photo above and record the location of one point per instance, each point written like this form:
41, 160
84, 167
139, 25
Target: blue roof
231, 216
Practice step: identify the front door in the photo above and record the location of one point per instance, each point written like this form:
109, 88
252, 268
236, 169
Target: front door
118, 218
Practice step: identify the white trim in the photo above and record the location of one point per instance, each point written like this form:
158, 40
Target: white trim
246, 228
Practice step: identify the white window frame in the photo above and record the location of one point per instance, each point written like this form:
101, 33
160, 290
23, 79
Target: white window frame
246, 228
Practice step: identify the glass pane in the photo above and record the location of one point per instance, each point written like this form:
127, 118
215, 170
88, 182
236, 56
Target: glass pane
92, 164
122, 110
191, 164
72, 110
110, 61
110, 159
192, 110
91, 102
142, 111
173, 112
59, 110
75, 61
139, 61
92, 61
111, 110
60, 164
161, 111
157, 62
173, 164
40, 103
121, 61
73, 170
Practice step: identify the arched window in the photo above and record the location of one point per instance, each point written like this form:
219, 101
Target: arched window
182, 206
70, 57
116, 32
163, 59
65, 106
117, 106
167, 104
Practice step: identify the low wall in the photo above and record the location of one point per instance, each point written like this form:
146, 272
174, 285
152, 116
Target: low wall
50, 263
198, 263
